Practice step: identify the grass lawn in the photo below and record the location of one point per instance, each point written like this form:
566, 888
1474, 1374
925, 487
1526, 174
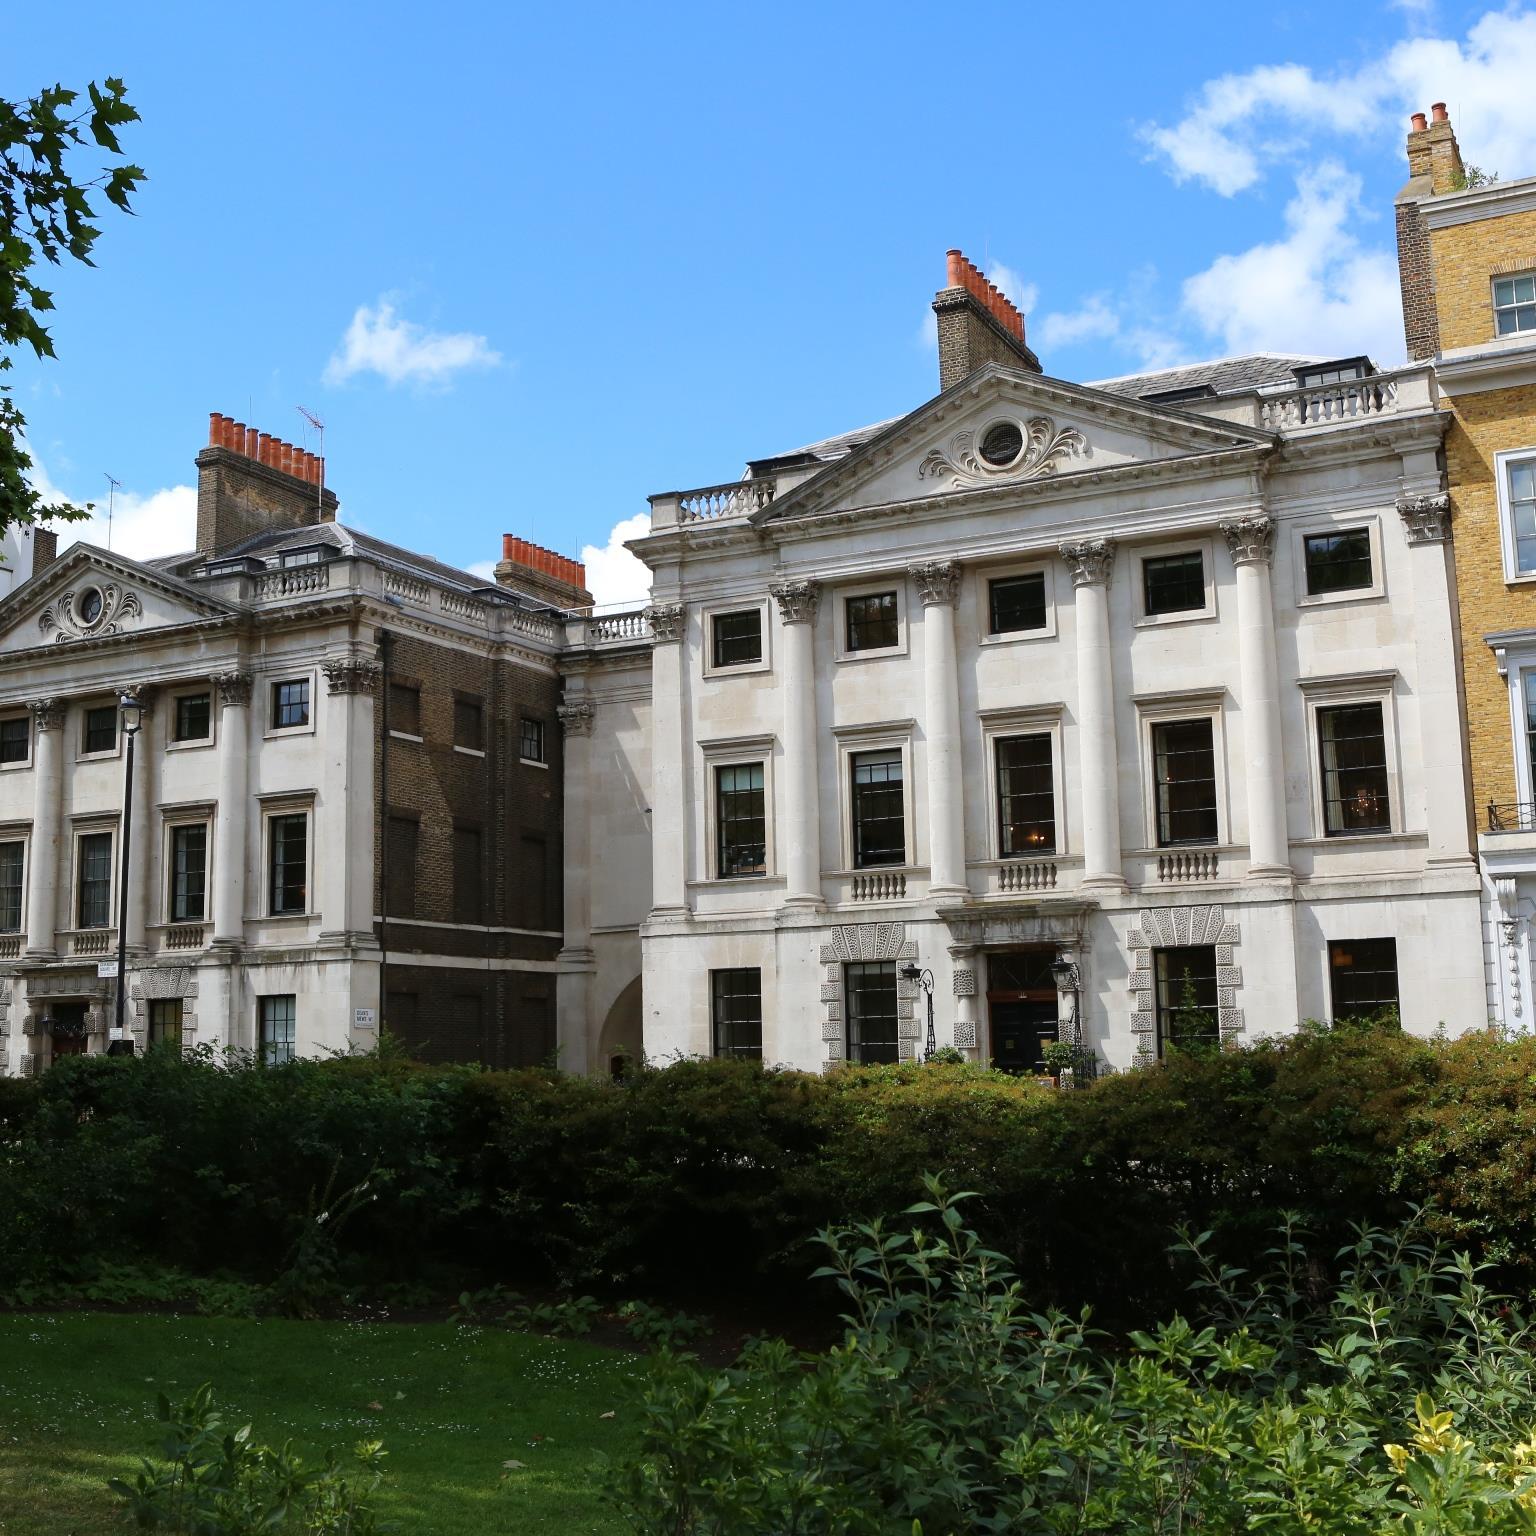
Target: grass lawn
453, 1403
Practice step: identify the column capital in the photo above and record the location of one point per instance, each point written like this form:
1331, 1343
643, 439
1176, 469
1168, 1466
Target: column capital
666, 621
797, 600
350, 674
234, 687
938, 581
576, 718
1426, 519
146, 693
1250, 538
1089, 560
47, 714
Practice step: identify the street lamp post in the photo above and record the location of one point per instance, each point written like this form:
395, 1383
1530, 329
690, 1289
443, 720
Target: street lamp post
924, 979
1069, 979
132, 708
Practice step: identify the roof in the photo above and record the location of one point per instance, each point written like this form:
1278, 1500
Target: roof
1226, 375
830, 449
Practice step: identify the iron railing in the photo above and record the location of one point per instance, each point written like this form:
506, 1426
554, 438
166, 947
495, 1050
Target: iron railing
1517, 817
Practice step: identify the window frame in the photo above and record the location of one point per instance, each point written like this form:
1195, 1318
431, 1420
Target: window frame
893, 583
1515, 657
983, 590
154, 1004
87, 754
735, 1052
541, 761
1330, 945
173, 822
1311, 528
464, 699
849, 1020
1000, 725
1494, 279
1207, 610
261, 1028
1503, 462
880, 736
712, 611
25, 716
272, 810
405, 685
1343, 693
1172, 709
19, 833
191, 743
91, 829
736, 752
1160, 1034
272, 681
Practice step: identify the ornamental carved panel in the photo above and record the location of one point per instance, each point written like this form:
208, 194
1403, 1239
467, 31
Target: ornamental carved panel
90, 610
1044, 448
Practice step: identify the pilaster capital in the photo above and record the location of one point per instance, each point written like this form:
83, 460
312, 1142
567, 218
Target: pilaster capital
1250, 538
48, 714
350, 674
234, 687
938, 581
1090, 561
576, 718
1426, 519
797, 600
146, 693
666, 621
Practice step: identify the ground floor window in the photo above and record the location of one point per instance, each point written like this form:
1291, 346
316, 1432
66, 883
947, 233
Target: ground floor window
1363, 978
870, 992
1187, 1016
165, 1021
278, 1031
736, 1011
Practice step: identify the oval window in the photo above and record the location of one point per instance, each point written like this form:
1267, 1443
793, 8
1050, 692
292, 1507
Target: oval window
90, 605
1001, 444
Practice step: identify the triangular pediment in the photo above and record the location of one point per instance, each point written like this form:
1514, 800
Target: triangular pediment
1003, 428
91, 594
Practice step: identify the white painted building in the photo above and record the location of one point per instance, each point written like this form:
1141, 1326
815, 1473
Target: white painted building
1157, 676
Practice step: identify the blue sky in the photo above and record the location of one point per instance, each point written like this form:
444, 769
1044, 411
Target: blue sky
530, 265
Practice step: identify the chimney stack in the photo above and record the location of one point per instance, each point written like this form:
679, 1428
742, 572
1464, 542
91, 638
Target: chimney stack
250, 482
978, 324
45, 549
1434, 168
541, 573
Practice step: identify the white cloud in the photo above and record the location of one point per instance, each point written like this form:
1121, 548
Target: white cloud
614, 576
380, 341
484, 569
162, 522
1025, 295
1092, 320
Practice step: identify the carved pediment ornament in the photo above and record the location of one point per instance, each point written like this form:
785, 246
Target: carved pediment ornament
797, 600
666, 621
1426, 519
1250, 538
937, 580
1044, 447
89, 610
1090, 561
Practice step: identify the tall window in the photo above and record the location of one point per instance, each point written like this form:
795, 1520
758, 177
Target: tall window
405, 709
278, 1029
1353, 748
100, 729
1184, 772
400, 891
737, 637
736, 1010
288, 863
533, 881
15, 739
94, 904
530, 740
12, 856
1363, 977
1514, 304
290, 703
189, 873
1187, 997
1522, 511
741, 828
879, 812
193, 717
165, 1021
1528, 680
1016, 603
1337, 562
468, 876
1026, 798
871, 621
1173, 583
870, 991
469, 724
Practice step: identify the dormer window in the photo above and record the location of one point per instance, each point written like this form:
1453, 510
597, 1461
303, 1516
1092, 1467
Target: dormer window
312, 555
1179, 396
1343, 370
1514, 304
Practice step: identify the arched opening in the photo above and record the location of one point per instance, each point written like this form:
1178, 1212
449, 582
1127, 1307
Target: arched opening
621, 1041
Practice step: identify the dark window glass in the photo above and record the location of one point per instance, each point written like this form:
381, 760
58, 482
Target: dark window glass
1174, 583
288, 863
165, 1021
278, 1029
1026, 799
533, 883
189, 873
15, 739
1017, 603
879, 815
11, 858
870, 990
1363, 973
872, 621
101, 728
297, 557
1332, 373
405, 708
741, 844
1184, 770
1353, 747
468, 876
530, 740
193, 717
469, 724
290, 703
400, 893
1338, 562
738, 637
95, 903
1187, 1015
736, 1007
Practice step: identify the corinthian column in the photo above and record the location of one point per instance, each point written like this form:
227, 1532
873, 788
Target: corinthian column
230, 850
576, 960
669, 760
45, 854
938, 582
800, 837
1090, 562
1251, 540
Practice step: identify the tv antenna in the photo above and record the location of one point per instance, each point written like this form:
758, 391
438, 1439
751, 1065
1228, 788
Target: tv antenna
113, 487
319, 427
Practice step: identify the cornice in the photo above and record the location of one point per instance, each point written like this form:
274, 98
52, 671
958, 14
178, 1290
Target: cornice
1472, 371
1478, 203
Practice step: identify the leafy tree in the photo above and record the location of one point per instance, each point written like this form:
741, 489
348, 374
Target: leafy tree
46, 211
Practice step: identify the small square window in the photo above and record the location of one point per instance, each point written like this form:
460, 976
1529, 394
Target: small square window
1016, 603
736, 1012
288, 864
1187, 1015
1337, 562
1363, 978
530, 740
15, 739
737, 638
469, 724
278, 1029
1174, 583
1514, 304
872, 623
100, 729
405, 708
194, 717
1353, 748
290, 704
93, 907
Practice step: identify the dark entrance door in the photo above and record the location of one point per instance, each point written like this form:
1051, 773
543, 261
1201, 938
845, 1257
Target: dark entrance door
68, 1029
1021, 1007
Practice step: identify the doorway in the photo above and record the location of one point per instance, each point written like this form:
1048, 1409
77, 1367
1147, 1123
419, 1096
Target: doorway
1021, 1006
67, 1029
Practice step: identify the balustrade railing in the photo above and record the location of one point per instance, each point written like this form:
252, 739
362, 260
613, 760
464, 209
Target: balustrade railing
94, 941
1028, 875
1349, 400
883, 885
613, 628
407, 588
10, 948
462, 607
1191, 864
740, 498
184, 936
302, 578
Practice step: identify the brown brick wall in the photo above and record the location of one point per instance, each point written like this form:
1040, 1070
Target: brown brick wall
1466, 258
500, 1018
238, 496
969, 338
1415, 271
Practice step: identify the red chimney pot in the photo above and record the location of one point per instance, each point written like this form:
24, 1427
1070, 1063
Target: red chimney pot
1437, 109
1420, 122
954, 269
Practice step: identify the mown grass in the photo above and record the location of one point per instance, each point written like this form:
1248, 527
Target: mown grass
452, 1404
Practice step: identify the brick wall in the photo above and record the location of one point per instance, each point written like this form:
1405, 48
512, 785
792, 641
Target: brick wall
1466, 258
969, 338
1415, 272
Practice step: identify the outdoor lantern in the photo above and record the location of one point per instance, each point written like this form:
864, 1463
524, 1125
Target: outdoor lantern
1065, 974
132, 707
915, 974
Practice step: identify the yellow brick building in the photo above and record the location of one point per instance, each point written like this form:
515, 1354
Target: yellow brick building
1467, 258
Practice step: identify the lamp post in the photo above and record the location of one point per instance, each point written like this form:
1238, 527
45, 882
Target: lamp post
1069, 979
924, 979
132, 708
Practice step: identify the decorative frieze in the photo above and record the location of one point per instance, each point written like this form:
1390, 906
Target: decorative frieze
938, 581
1251, 539
1426, 519
350, 674
234, 688
1090, 561
797, 600
576, 719
666, 621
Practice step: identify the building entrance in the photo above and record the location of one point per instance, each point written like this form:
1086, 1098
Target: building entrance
67, 1029
1021, 1006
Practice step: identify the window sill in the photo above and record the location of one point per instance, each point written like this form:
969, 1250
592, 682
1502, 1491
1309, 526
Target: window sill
406, 736
15, 767
1016, 636
715, 881
882, 653
1183, 616
736, 669
1348, 839
194, 744
534, 762
1373, 593
285, 917
98, 757
469, 751
277, 731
